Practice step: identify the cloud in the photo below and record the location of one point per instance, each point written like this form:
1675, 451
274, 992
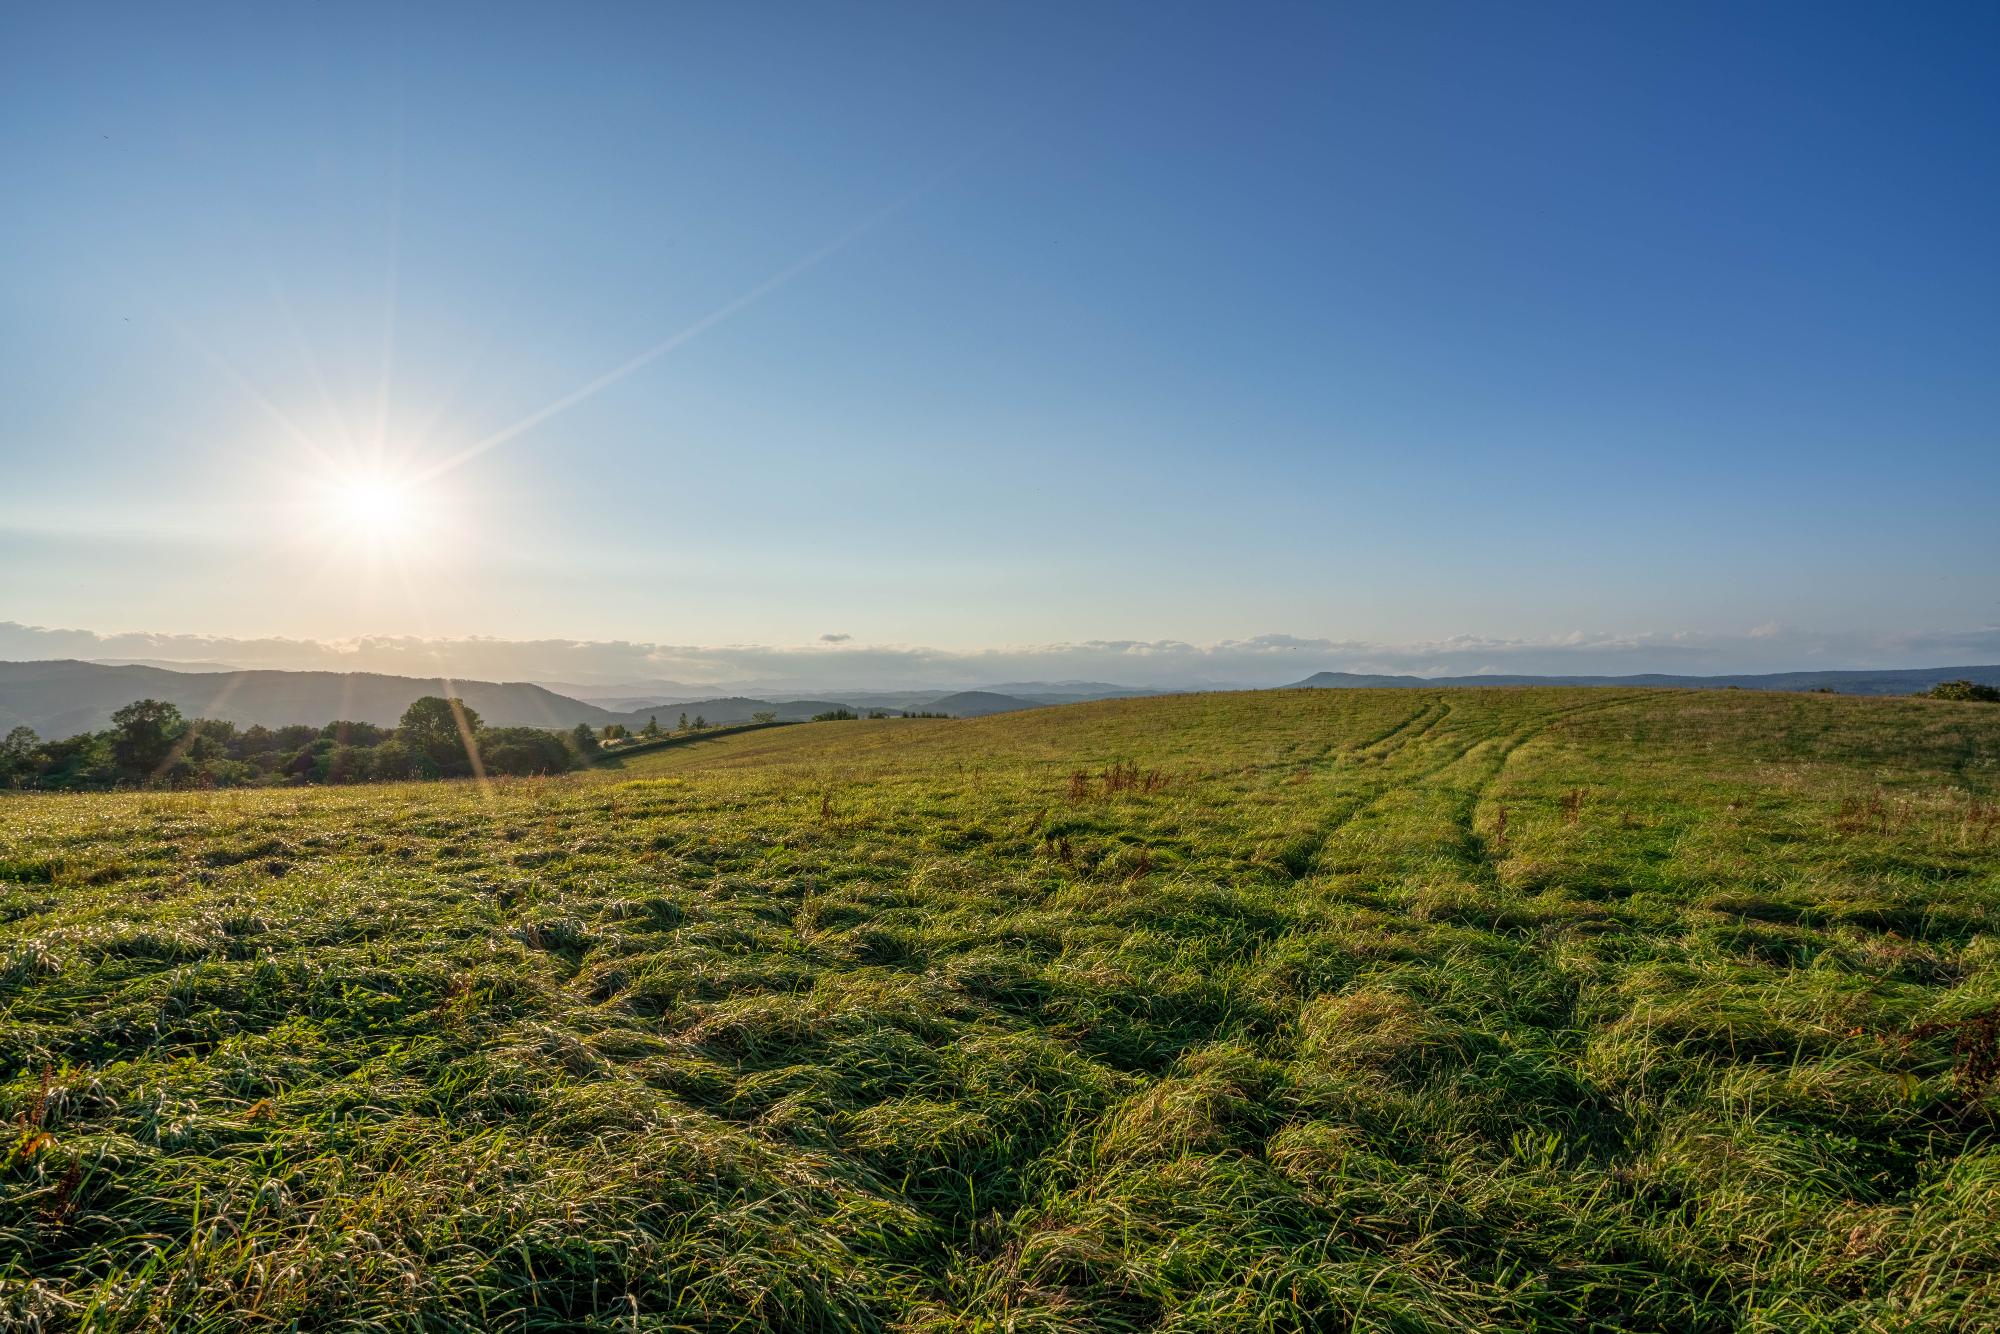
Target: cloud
1262, 660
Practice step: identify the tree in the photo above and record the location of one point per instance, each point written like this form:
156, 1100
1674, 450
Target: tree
684, 723
290, 738
583, 741
390, 761
201, 746
764, 716
354, 734
439, 731
82, 761
699, 722
614, 732
347, 764
143, 736
20, 753
651, 729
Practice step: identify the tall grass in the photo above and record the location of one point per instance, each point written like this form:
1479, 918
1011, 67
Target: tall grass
1469, 1010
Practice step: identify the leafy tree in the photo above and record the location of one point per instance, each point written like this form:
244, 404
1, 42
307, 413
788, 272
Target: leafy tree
615, 732
219, 733
20, 755
651, 729
290, 738
764, 716
205, 743
699, 722
684, 723
347, 764
584, 741
83, 761
431, 728
143, 735
354, 734
391, 762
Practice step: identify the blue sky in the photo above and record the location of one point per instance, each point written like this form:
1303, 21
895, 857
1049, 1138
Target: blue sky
1004, 325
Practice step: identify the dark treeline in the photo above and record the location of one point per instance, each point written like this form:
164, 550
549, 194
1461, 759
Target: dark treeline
149, 744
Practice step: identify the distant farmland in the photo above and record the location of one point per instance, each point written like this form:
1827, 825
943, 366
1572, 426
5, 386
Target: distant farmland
1499, 1009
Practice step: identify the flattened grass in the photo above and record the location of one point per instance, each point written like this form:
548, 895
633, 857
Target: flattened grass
1458, 1010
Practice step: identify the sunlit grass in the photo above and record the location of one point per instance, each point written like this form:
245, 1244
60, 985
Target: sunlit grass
1472, 1010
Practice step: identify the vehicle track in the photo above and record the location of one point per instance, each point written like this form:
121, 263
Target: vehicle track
1388, 781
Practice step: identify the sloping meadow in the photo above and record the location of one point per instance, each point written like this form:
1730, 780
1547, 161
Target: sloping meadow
1402, 1010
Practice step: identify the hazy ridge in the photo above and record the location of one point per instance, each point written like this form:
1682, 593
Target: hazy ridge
65, 696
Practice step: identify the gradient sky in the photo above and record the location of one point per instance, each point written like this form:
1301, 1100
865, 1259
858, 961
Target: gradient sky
1003, 324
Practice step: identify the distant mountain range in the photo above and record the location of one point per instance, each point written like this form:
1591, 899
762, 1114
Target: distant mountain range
730, 709
1023, 695
64, 697
1905, 681
979, 703
168, 665
738, 708
61, 698
624, 695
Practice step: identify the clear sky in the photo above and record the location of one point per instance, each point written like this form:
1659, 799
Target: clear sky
999, 325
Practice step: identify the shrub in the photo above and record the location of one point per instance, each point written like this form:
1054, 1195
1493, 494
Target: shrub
523, 750
1964, 690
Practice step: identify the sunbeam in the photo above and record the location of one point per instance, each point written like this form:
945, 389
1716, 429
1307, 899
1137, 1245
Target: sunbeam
701, 326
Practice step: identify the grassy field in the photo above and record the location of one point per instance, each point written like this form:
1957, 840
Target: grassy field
1553, 1009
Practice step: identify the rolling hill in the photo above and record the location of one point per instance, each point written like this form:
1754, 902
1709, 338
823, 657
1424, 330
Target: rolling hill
979, 703
730, 709
63, 697
1893, 681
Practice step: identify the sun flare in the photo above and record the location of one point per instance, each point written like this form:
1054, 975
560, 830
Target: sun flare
378, 505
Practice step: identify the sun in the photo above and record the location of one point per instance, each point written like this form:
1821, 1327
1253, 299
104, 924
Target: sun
378, 507
375, 504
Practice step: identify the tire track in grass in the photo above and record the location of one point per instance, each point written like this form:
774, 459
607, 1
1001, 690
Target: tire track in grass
1340, 752
1300, 854
1477, 850
1400, 741
1362, 747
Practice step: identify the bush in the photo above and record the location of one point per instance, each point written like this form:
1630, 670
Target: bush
1964, 690
523, 750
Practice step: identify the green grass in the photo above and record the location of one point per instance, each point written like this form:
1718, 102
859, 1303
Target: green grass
1407, 1011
